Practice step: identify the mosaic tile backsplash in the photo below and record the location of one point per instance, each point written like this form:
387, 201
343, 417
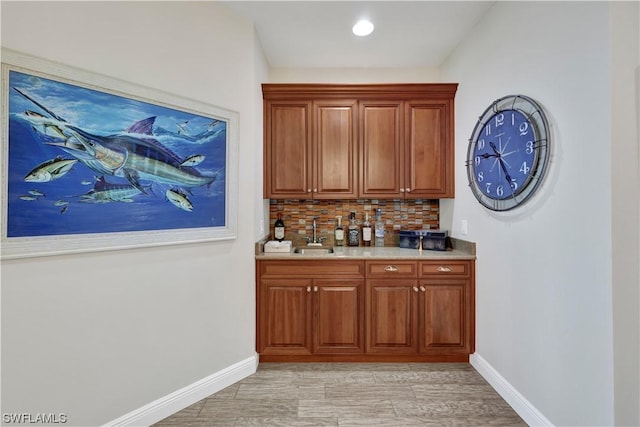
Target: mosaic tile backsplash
397, 215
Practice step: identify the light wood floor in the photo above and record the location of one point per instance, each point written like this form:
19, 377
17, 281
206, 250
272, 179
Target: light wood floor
353, 394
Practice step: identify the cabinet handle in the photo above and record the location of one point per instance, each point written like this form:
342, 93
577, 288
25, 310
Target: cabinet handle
315, 289
308, 288
391, 268
415, 289
423, 289
443, 269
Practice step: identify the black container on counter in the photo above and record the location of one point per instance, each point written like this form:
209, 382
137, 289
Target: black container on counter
433, 240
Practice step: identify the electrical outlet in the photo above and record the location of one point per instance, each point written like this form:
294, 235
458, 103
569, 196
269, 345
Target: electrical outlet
464, 227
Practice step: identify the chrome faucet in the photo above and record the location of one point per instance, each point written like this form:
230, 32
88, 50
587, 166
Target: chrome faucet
317, 241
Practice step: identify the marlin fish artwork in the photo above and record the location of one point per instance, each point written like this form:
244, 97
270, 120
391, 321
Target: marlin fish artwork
133, 155
110, 162
105, 192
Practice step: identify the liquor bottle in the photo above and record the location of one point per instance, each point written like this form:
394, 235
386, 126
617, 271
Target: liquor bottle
366, 230
278, 229
379, 228
353, 232
339, 232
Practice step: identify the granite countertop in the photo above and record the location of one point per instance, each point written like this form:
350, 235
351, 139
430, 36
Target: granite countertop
461, 250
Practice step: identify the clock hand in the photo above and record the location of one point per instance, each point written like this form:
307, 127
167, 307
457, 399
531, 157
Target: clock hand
506, 174
495, 150
487, 155
502, 165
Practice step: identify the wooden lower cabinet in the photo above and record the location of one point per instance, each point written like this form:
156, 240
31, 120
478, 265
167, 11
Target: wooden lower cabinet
285, 316
301, 314
338, 317
382, 310
444, 323
392, 316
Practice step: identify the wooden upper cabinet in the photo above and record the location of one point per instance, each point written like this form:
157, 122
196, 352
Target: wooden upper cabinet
406, 149
428, 159
287, 158
381, 142
333, 141
334, 157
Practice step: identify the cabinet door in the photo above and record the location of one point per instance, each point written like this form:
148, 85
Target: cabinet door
335, 150
392, 309
287, 150
338, 316
285, 316
381, 149
428, 149
444, 322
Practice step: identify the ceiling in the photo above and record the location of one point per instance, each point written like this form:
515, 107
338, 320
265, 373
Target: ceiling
317, 34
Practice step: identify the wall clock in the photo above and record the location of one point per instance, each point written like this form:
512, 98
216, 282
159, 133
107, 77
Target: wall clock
508, 152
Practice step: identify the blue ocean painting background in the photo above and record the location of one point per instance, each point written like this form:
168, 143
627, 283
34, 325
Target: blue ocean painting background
31, 206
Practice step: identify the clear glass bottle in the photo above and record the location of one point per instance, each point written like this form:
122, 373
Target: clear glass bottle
278, 228
379, 228
339, 233
366, 230
353, 232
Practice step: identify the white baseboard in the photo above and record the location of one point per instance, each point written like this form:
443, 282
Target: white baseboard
186, 396
522, 406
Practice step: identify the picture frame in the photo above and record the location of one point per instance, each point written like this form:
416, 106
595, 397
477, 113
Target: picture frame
94, 163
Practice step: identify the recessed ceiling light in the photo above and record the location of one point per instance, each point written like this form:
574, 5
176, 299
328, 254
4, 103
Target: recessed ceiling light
362, 28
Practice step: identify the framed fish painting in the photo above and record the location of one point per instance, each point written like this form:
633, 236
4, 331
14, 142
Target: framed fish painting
91, 163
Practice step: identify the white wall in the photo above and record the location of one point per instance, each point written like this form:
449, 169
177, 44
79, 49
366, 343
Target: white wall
101, 334
354, 75
624, 43
544, 271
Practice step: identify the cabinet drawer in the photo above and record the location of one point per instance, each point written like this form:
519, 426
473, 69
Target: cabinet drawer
392, 268
445, 268
322, 269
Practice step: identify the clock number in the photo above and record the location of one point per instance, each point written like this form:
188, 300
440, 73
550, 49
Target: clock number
524, 128
488, 187
499, 119
481, 144
500, 191
480, 176
529, 149
487, 129
524, 168
477, 160
513, 184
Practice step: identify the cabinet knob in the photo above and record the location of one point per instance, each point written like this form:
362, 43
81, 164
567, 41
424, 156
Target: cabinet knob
444, 269
391, 268
315, 190
423, 289
408, 190
402, 190
415, 289
315, 289
308, 190
308, 288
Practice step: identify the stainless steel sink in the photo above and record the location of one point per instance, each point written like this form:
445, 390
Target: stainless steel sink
313, 250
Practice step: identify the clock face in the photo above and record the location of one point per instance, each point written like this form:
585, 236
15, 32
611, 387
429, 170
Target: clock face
508, 153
